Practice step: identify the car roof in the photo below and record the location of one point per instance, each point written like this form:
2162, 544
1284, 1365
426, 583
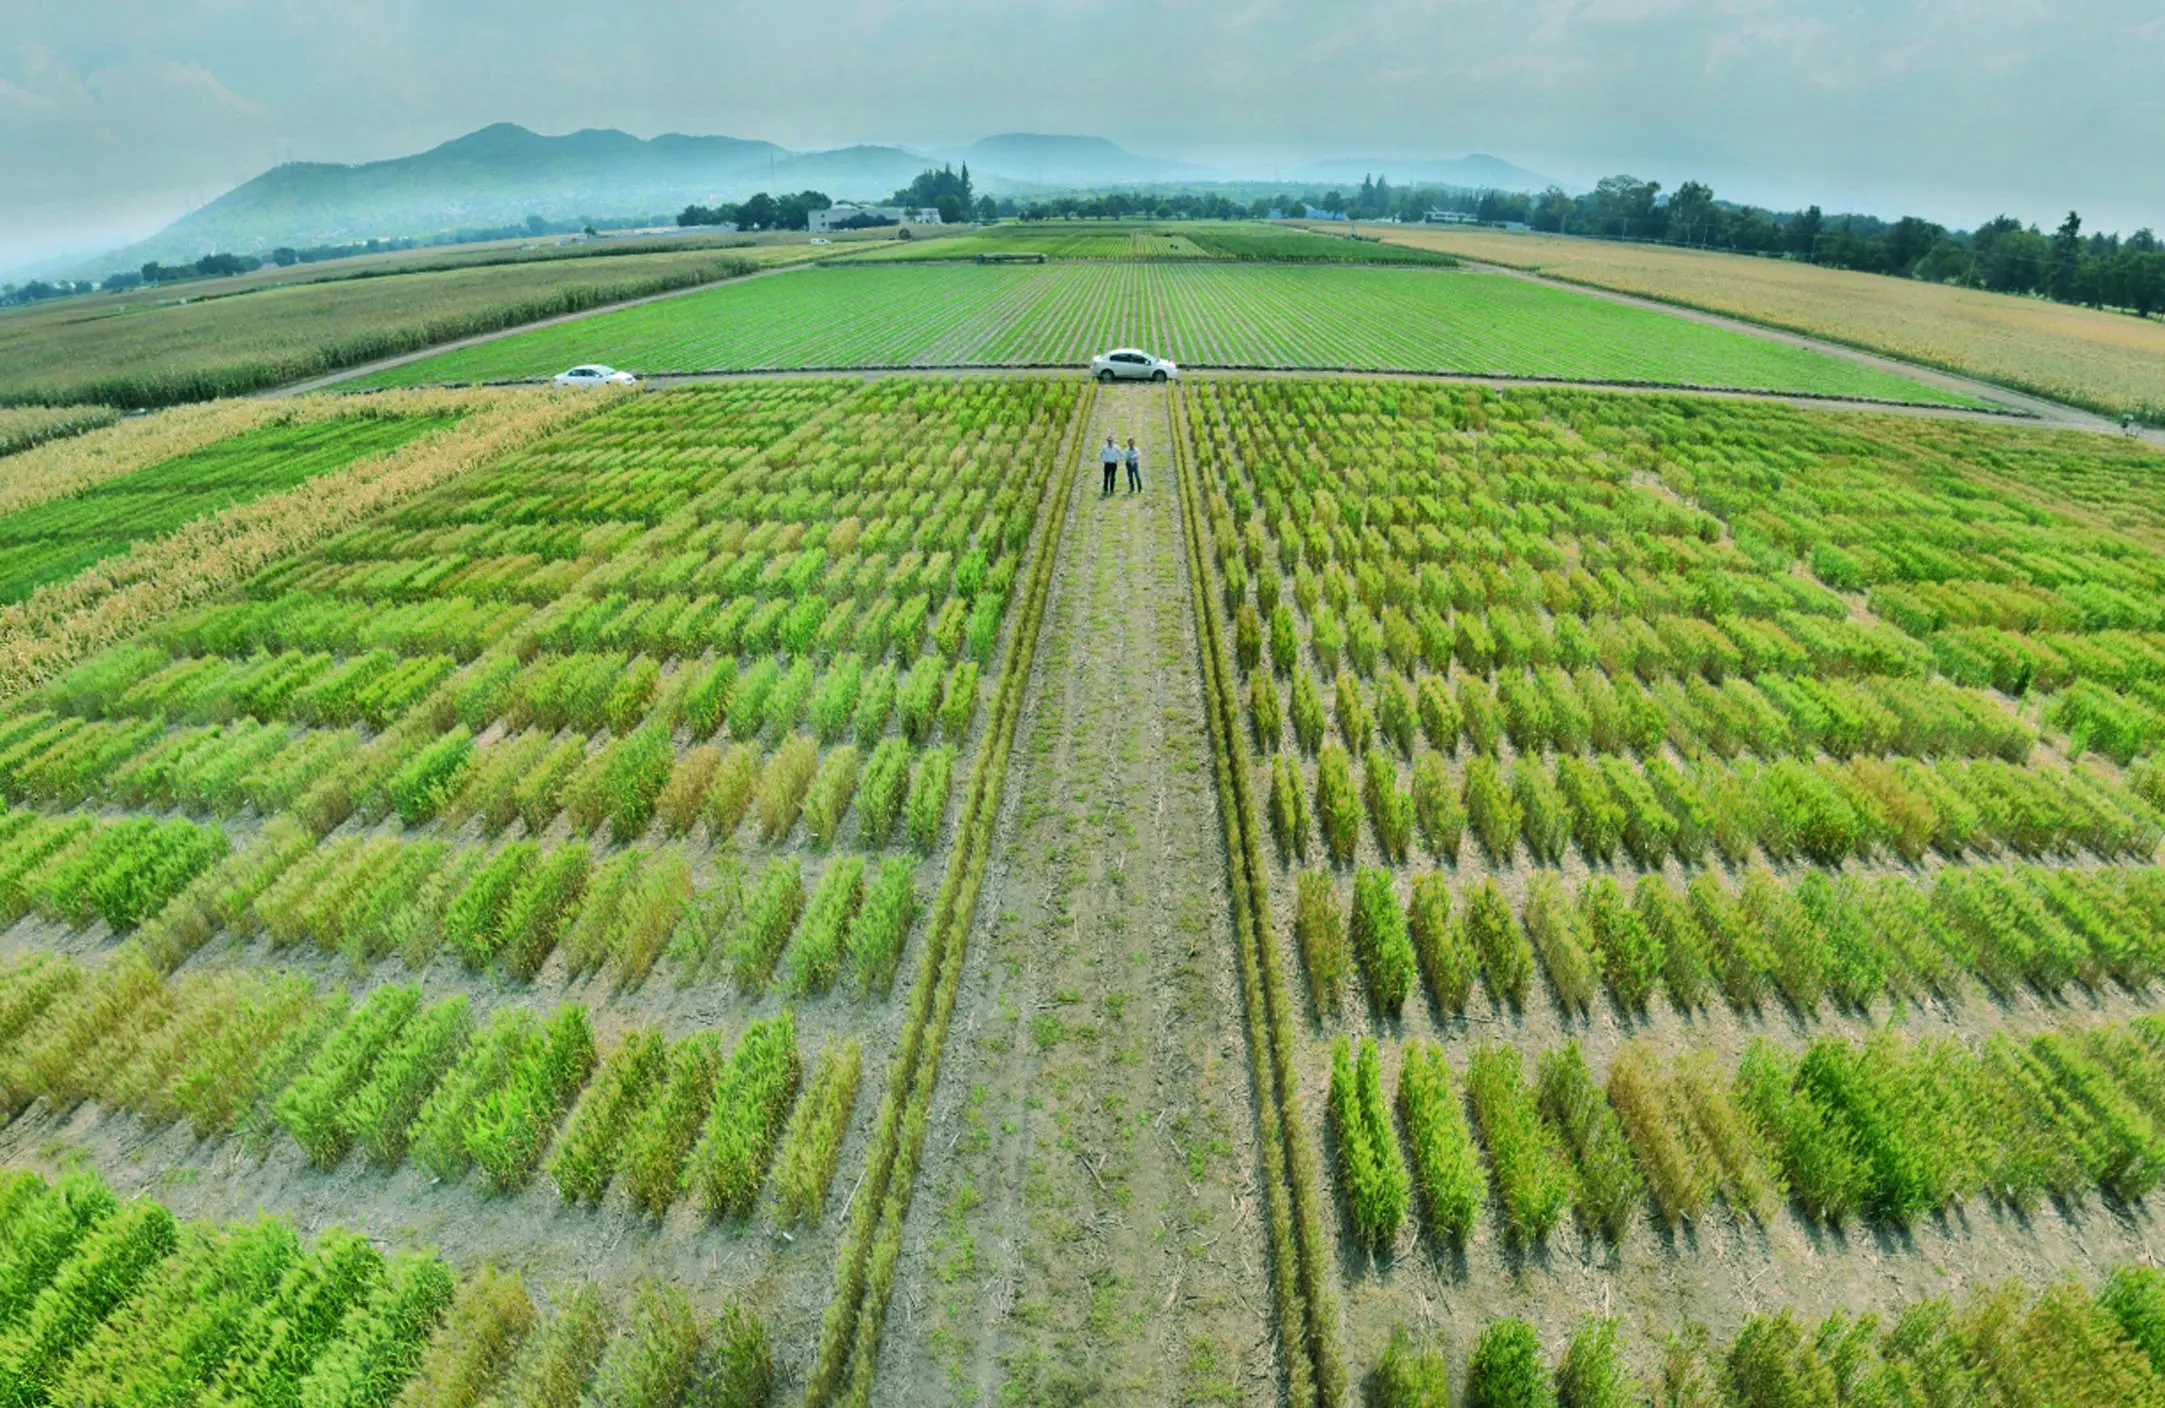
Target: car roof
593, 367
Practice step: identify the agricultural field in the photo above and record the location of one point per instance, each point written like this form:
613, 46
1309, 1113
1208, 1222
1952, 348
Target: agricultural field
556, 847
26, 427
764, 891
2108, 362
150, 352
1092, 239
1199, 313
1680, 835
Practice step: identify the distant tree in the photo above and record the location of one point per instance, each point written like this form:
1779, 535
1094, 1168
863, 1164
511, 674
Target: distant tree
535, 225
988, 209
952, 209
759, 213
285, 256
2066, 257
1693, 217
1804, 231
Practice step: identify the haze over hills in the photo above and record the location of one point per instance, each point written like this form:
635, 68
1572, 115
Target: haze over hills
502, 174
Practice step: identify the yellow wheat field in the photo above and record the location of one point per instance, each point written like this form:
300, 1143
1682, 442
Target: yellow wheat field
2107, 361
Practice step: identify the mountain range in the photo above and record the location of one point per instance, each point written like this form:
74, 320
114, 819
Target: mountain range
503, 173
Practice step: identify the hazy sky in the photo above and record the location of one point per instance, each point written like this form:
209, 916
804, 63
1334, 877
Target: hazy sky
118, 115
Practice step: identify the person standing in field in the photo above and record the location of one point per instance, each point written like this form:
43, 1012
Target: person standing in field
1135, 467
1109, 461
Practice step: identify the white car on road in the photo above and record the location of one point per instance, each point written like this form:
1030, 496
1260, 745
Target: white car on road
595, 374
1128, 364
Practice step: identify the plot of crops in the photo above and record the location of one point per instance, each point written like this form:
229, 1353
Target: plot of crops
1592, 747
561, 838
1197, 314
54, 540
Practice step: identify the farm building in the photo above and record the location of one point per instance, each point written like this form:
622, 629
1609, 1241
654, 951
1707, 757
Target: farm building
850, 217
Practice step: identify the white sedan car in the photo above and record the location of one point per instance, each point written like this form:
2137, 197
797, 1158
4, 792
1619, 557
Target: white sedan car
595, 374
1127, 364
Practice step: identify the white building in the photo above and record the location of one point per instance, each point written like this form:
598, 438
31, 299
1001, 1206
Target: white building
821, 221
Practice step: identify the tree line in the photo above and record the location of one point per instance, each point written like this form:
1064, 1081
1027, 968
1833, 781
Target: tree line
2002, 255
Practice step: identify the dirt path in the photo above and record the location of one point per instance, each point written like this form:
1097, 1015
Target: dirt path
1092, 1234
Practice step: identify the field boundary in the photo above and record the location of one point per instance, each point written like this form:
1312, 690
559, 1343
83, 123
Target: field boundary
661, 379
848, 1348
1306, 1306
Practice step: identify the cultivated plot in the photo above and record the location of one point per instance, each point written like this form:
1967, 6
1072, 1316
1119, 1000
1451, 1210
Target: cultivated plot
1197, 312
1683, 830
544, 852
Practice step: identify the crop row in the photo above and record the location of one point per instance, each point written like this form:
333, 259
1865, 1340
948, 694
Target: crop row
1587, 710
104, 1301
1304, 1299
848, 1346
2061, 1344
1843, 939
1612, 811
1885, 1130
431, 1085
76, 868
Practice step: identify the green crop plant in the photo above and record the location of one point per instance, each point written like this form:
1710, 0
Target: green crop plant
703, 707
1411, 1373
1681, 797
381, 1111
429, 779
1288, 808
881, 791
1284, 641
752, 1098
1560, 936
1825, 1171
1247, 633
815, 957
585, 1158
1741, 959
1632, 958
1326, 637
314, 1108
1355, 720
832, 788
875, 703
756, 937
1795, 943
538, 910
1380, 941
1395, 716
559, 1359
1319, 927
1592, 1373
1684, 950
1608, 1184
46, 1226
1447, 957
1338, 803
104, 1268
1307, 712
289, 1329
437, 1138
783, 784
510, 1124
812, 1142
917, 704
1492, 810
1506, 1370
490, 1316
380, 1340
729, 795
659, 1138
1446, 1167
1436, 805
959, 710
1527, 1161
474, 924
1264, 711
881, 924
1438, 713
1507, 958
926, 806
1389, 809
538, 796
652, 1362
1371, 1172
1545, 817
747, 711
1480, 716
